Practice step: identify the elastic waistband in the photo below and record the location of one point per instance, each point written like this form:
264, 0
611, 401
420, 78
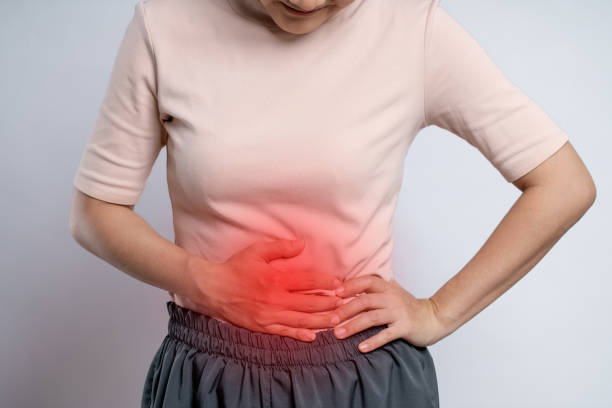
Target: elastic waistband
216, 337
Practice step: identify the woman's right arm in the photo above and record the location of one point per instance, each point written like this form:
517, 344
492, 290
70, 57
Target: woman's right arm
118, 235
245, 289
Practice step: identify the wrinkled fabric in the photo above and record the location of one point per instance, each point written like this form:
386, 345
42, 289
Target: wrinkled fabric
270, 135
204, 362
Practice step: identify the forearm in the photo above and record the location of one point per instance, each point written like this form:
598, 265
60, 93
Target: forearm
125, 240
536, 221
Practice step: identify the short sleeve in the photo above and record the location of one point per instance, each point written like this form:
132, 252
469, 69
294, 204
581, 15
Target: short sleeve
466, 93
128, 134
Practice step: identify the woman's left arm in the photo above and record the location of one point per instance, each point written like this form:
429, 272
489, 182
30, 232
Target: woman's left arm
554, 197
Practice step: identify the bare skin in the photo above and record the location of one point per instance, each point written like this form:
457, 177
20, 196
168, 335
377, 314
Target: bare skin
554, 197
244, 290
248, 292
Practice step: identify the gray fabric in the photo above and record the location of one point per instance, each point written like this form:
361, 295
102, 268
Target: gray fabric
203, 362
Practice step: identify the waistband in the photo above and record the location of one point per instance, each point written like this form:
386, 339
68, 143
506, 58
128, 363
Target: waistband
213, 336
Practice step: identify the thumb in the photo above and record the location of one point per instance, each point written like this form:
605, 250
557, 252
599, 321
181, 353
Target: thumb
281, 248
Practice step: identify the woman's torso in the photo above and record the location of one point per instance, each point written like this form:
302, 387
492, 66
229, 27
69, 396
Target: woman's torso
277, 136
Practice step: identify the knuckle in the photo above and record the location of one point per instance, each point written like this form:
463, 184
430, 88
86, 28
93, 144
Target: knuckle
385, 335
362, 302
374, 316
312, 306
331, 302
347, 309
389, 335
257, 319
392, 335
350, 328
344, 312
284, 331
260, 318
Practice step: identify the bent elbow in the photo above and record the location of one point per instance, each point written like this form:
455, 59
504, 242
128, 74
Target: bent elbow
584, 192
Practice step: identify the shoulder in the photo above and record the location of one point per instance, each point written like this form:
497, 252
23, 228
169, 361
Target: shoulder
170, 6
181, 19
412, 11
413, 15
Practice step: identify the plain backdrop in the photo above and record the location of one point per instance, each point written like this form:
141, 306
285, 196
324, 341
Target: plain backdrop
76, 332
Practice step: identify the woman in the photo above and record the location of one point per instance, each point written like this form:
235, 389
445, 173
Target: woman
290, 120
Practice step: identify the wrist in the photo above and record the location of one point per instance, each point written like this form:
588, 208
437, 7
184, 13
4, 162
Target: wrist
444, 322
197, 270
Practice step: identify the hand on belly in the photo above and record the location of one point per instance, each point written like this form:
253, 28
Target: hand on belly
248, 292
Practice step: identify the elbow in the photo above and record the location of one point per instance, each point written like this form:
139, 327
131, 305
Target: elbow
73, 224
590, 192
76, 214
576, 180
582, 191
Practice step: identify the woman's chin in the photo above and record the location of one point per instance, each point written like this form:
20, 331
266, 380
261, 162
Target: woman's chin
296, 24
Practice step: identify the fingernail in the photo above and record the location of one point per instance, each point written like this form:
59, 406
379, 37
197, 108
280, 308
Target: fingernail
339, 290
311, 336
364, 346
340, 331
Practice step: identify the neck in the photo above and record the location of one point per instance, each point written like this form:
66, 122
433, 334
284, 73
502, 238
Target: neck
255, 11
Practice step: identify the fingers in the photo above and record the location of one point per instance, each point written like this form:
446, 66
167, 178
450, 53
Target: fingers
295, 280
365, 283
281, 248
379, 339
303, 280
297, 333
361, 304
300, 320
309, 303
376, 317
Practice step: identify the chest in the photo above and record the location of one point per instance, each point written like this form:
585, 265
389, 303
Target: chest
289, 121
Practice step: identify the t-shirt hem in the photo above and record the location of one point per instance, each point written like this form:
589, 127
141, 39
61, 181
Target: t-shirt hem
104, 195
550, 148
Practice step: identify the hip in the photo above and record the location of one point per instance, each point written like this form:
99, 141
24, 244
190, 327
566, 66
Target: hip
205, 362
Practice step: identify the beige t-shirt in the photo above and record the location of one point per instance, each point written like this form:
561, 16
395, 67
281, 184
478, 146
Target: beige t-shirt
274, 135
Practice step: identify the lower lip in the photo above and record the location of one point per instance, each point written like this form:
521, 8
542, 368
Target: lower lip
300, 13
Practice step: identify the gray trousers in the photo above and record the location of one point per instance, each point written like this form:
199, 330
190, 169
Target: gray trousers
203, 362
